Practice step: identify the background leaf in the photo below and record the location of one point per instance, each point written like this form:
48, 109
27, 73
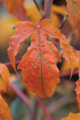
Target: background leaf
5, 113
4, 79
72, 117
73, 8
16, 7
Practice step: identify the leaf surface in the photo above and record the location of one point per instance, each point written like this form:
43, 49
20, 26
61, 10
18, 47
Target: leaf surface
4, 77
73, 8
5, 113
23, 31
77, 58
16, 8
72, 117
38, 65
64, 44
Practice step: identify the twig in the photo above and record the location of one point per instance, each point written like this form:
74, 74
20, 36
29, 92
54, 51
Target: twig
43, 107
38, 7
47, 9
20, 94
58, 44
34, 109
64, 20
56, 105
64, 74
10, 64
27, 101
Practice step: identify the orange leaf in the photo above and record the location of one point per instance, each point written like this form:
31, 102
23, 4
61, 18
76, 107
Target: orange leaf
38, 65
23, 31
77, 58
72, 117
78, 93
16, 8
41, 55
62, 10
64, 44
5, 113
73, 8
4, 79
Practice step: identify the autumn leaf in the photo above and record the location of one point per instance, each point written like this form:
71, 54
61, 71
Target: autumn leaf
4, 77
23, 31
78, 93
77, 59
39, 61
72, 117
5, 113
73, 8
64, 44
62, 10
16, 8
41, 55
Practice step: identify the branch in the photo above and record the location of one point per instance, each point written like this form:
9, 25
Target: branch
10, 64
43, 107
58, 44
27, 101
64, 20
47, 9
64, 74
38, 7
34, 109
20, 94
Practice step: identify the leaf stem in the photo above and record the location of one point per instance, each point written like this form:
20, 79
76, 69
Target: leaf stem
64, 20
38, 7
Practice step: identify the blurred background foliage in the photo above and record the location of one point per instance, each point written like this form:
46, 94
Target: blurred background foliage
64, 100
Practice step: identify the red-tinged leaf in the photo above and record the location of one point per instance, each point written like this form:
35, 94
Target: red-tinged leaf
64, 44
40, 58
23, 31
4, 77
5, 113
72, 116
16, 8
78, 93
73, 8
38, 65
77, 58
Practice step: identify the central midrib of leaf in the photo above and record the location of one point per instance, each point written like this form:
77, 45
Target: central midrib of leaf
40, 54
